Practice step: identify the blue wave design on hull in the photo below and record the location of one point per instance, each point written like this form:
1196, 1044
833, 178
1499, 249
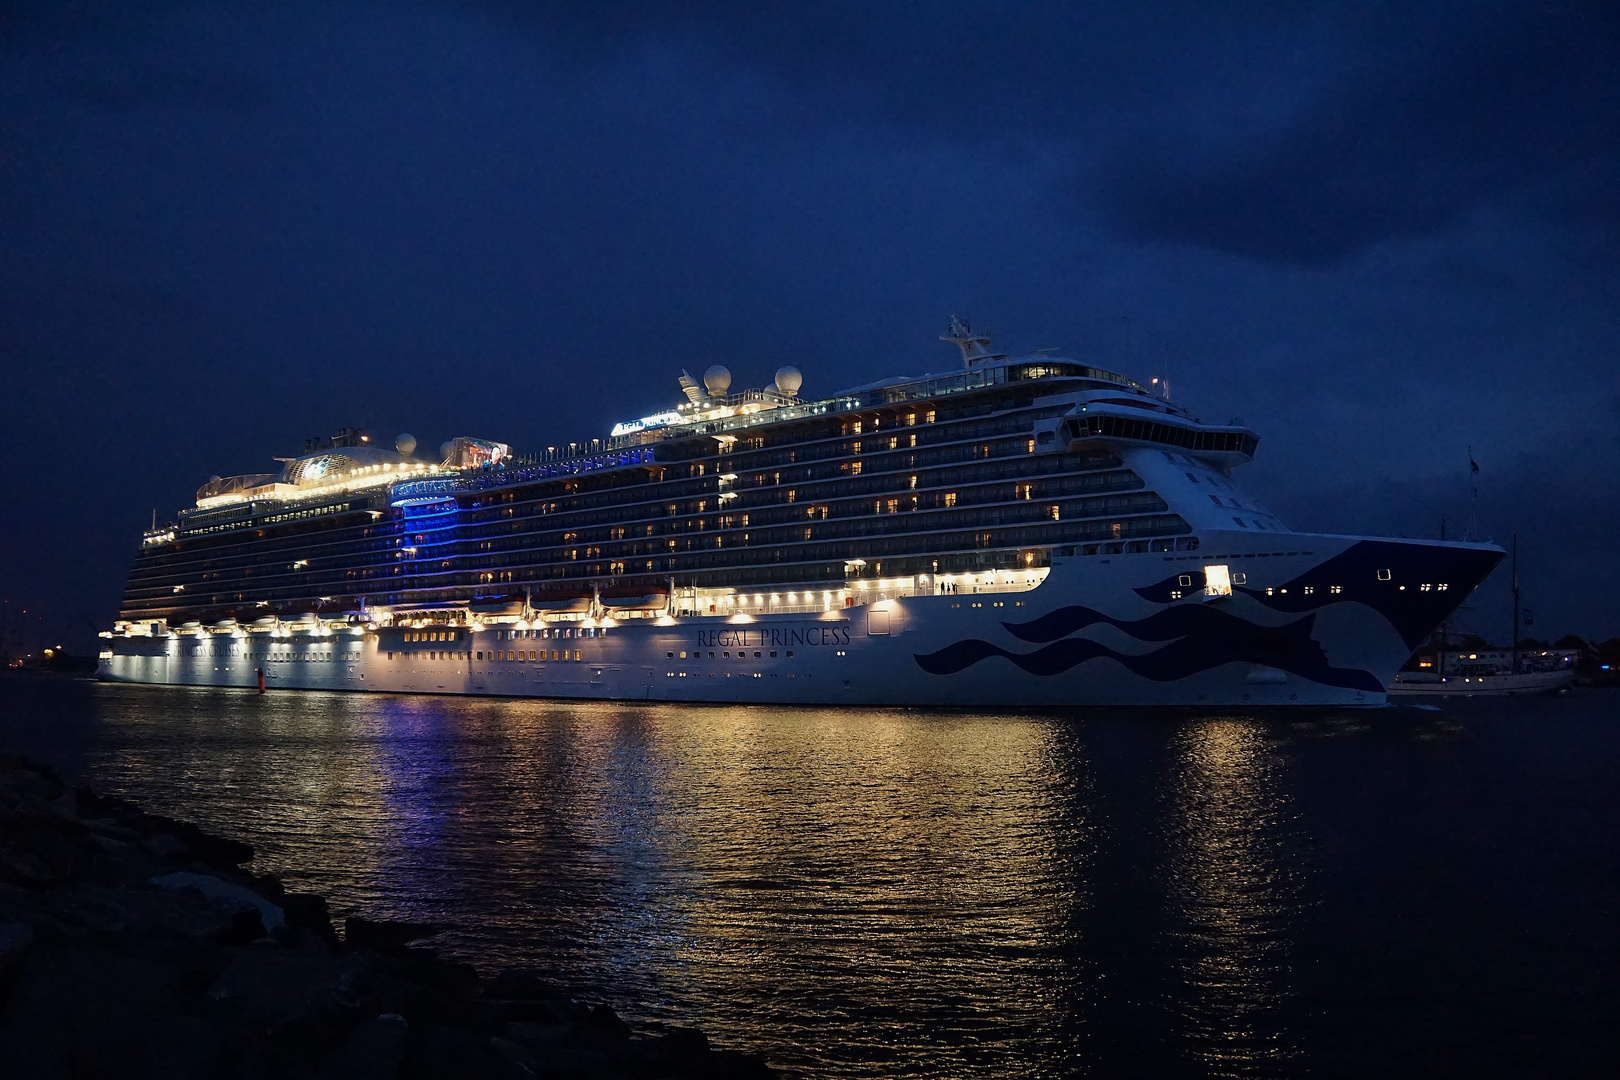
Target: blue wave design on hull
1201, 638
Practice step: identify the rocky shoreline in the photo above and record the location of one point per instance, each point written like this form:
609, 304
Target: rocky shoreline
134, 945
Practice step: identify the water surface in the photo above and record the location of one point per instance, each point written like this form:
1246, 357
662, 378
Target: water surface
910, 893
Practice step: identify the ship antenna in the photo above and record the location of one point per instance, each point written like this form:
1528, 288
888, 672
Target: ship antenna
1472, 528
1514, 647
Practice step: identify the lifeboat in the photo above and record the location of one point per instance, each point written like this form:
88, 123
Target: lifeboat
656, 601
497, 605
561, 605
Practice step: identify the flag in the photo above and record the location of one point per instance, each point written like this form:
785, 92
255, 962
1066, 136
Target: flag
1529, 617
1473, 466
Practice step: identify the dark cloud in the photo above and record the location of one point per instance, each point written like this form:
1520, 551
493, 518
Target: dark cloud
1301, 135
1517, 108
185, 85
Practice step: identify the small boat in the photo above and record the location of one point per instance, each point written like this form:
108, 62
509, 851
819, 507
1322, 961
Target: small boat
1492, 673
1501, 684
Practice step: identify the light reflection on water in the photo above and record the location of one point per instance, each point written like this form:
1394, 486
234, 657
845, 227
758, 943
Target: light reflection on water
888, 893
858, 891
1232, 893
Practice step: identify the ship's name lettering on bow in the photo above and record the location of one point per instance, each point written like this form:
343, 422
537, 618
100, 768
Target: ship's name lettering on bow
785, 637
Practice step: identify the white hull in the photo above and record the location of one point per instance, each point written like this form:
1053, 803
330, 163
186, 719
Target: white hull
1086, 636
1529, 682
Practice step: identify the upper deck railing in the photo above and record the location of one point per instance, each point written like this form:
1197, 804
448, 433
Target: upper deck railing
634, 448
755, 408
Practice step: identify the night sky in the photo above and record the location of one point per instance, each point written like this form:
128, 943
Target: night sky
1377, 234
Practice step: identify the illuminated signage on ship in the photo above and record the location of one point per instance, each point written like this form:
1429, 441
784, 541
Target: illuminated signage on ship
657, 420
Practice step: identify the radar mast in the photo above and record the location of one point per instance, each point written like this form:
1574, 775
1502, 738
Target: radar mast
975, 347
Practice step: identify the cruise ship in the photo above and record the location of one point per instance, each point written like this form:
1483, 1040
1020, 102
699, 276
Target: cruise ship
1019, 531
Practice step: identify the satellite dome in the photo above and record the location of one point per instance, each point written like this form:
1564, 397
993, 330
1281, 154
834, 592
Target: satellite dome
405, 444
214, 479
445, 448
717, 379
788, 379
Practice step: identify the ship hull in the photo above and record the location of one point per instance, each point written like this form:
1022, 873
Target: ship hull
1311, 620
1523, 683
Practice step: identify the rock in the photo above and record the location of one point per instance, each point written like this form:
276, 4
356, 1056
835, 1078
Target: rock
373, 1051
497, 1011
265, 988
18, 782
539, 1036
66, 805
384, 936
448, 1053
111, 829
607, 1021
230, 897
136, 915
245, 927
685, 1042
86, 1011
308, 911
66, 850
512, 984
23, 868
165, 846
14, 940
120, 860
357, 977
